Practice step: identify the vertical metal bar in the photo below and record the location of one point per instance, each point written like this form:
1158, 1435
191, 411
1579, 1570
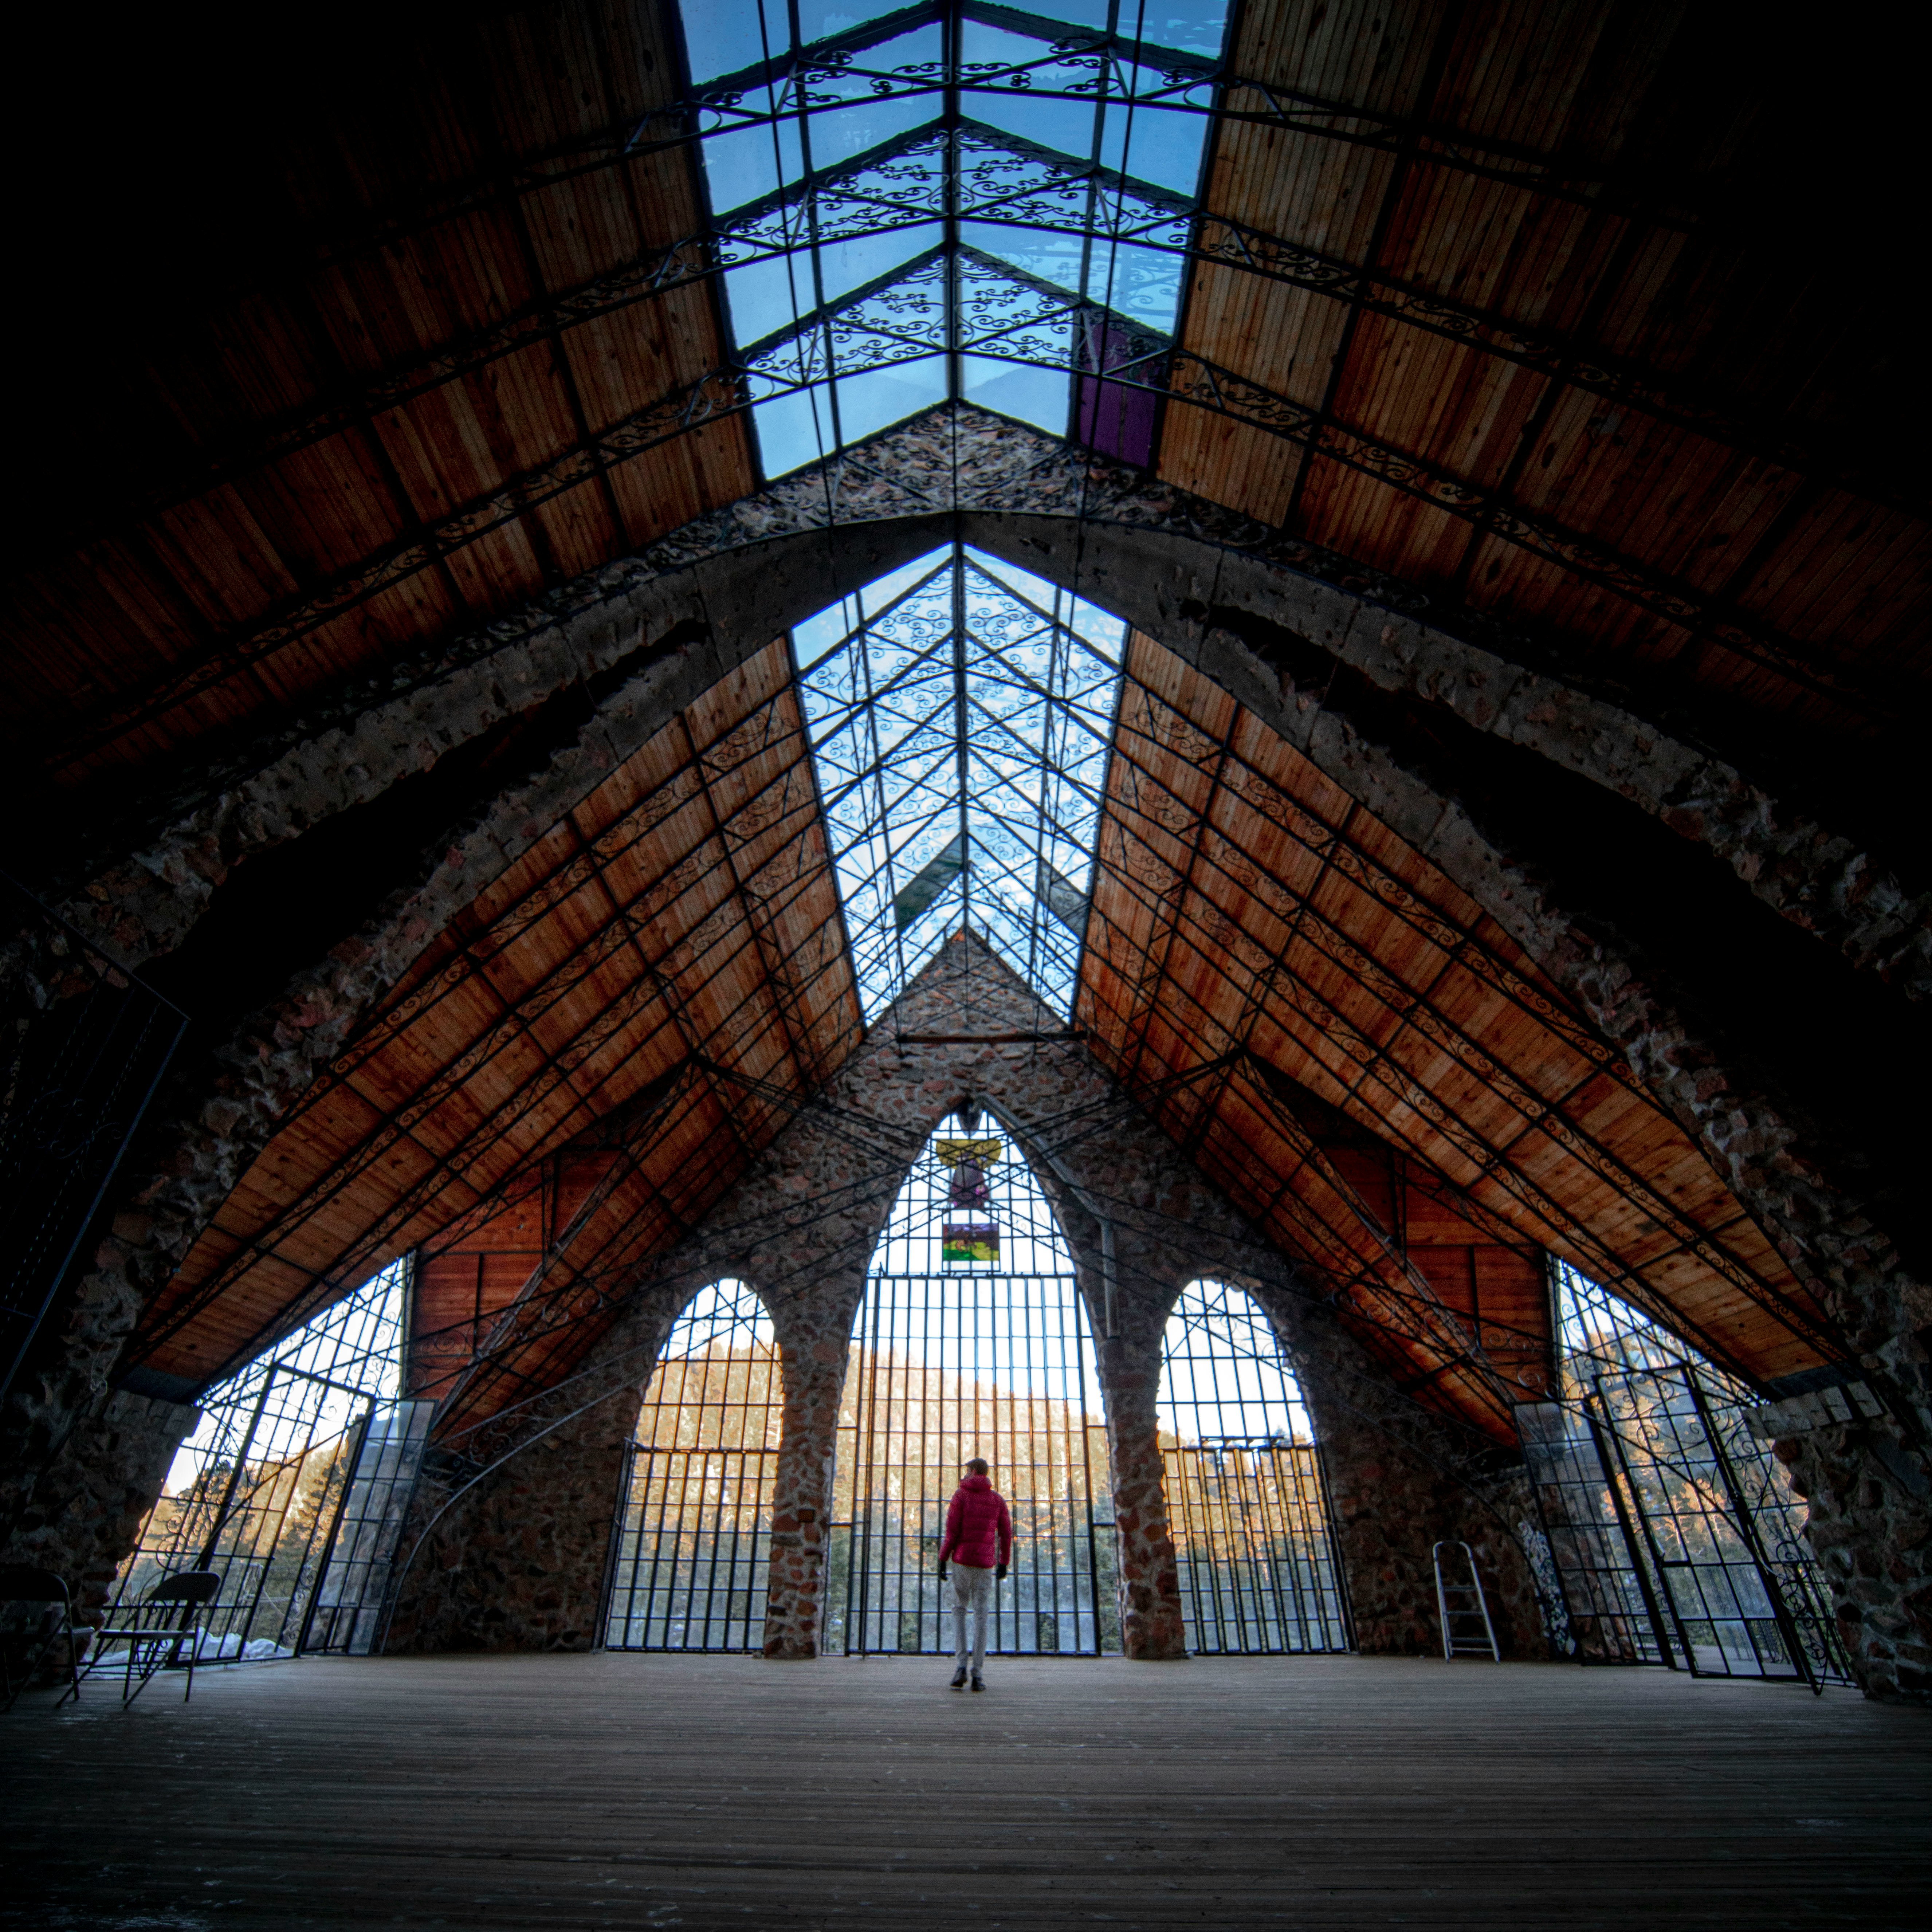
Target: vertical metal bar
1599, 1429
1747, 1529
1080, 1318
205, 1560
361, 1432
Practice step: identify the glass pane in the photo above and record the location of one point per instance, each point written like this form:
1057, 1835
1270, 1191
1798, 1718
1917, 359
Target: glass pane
836, 177
726, 39
888, 679
821, 19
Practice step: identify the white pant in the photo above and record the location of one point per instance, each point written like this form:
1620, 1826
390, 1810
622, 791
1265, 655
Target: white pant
972, 1589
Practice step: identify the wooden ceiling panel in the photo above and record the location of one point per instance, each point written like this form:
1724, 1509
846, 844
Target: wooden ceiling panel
1320, 49
1387, 527
1307, 939
390, 264
1281, 181
1550, 182
625, 945
1248, 470
1503, 248
1464, 410
1283, 338
1856, 578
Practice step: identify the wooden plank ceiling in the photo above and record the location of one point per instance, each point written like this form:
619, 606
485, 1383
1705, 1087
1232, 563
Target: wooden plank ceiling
346, 480
1265, 955
1561, 380
575, 1070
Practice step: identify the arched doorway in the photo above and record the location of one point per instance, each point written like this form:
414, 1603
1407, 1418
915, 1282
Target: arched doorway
1247, 1500
972, 1344
690, 1568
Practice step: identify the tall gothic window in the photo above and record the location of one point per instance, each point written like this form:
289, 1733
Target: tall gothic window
972, 1341
1246, 1500
691, 1564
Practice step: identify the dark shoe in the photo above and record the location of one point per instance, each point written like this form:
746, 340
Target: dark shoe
959, 1679
978, 1683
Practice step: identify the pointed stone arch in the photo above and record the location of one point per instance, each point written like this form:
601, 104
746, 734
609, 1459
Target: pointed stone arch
993, 1357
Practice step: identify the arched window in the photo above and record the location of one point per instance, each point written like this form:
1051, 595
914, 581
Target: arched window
1246, 1501
691, 1566
971, 1341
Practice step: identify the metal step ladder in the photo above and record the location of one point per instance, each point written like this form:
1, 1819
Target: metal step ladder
1463, 1609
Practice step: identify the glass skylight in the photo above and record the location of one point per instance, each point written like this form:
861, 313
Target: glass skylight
937, 201
961, 711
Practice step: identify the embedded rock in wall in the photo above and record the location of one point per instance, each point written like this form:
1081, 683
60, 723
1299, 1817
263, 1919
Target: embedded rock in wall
1870, 1528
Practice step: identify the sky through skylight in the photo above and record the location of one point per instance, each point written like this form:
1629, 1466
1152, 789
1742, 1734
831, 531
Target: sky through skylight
923, 202
961, 711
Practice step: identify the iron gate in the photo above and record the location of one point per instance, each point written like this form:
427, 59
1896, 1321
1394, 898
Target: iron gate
988, 1358
1609, 1596
1247, 1498
293, 1487
1257, 1562
690, 1561
1720, 1594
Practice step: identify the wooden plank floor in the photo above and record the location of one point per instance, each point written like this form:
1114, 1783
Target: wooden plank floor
627, 1791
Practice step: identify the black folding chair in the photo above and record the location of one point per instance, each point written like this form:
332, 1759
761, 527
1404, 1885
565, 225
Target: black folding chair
163, 1624
21, 1585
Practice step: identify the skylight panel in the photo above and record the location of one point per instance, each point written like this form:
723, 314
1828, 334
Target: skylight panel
726, 39
824, 19
961, 718
953, 208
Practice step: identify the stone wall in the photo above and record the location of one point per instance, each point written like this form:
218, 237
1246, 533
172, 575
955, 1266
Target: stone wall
519, 1562
1870, 1526
82, 1522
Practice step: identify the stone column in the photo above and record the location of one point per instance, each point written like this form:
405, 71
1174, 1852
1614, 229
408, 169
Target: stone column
1150, 1625
86, 1513
814, 1352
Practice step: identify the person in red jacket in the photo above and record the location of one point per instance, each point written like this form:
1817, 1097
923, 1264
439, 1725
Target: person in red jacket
979, 1544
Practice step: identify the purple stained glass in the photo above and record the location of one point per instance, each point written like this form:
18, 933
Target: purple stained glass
1110, 417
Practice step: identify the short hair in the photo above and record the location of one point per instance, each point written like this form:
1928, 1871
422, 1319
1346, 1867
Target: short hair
979, 1466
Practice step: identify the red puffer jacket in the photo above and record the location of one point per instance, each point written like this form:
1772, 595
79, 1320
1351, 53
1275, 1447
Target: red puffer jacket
978, 1531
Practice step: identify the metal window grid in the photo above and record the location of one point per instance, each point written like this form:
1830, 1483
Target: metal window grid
951, 203
1611, 1615
961, 712
1247, 1497
691, 1566
261, 1491
1711, 1528
989, 1360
